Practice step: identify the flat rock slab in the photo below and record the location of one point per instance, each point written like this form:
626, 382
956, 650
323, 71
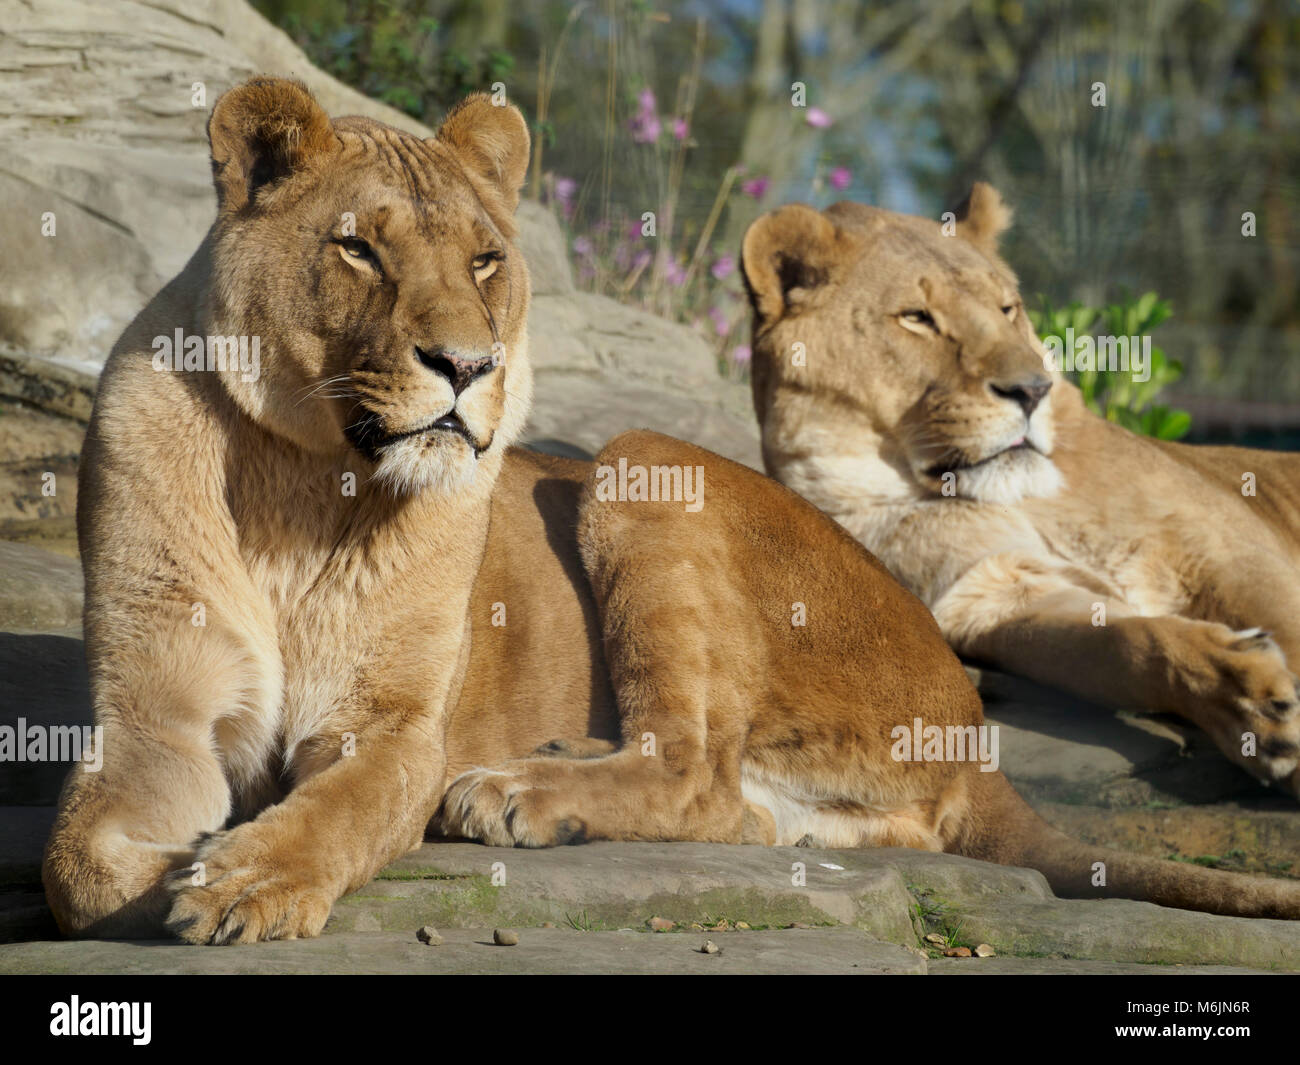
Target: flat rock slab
1074, 967
889, 896
552, 951
895, 894
1124, 930
471, 951
606, 886
1056, 748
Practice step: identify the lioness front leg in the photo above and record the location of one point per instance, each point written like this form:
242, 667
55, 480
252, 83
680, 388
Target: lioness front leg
277, 877
120, 830
1027, 617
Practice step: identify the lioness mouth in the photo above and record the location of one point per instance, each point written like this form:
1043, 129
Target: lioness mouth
368, 437
940, 469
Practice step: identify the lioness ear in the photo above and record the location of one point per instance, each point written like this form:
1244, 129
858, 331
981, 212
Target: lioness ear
492, 141
983, 217
262, 131
784, 250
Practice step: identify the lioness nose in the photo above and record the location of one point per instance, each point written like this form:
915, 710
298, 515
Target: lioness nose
460, 370
1028, 391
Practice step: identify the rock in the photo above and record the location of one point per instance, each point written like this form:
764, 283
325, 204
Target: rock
39, 590
504, 937
622, 885
429, 935
46, 386
556, 950
1259, 834
660, 924
543, 245
957, 952
44, 408
985, 951
710, 947
742, 926
936, 939
588, 409
1056, 748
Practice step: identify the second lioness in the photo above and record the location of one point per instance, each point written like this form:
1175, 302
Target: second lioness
901, 389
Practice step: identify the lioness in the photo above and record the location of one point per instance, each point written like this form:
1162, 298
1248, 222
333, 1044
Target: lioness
921, 414
322, 597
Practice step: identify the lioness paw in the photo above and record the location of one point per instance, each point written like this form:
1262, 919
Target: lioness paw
502, 808
1253, 711
235, 894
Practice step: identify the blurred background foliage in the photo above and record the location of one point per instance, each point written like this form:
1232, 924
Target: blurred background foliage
1128, 398
685, 110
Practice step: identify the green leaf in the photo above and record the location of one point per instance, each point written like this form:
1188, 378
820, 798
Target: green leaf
1174, 425
1082, 317
1145, 306
1159, 313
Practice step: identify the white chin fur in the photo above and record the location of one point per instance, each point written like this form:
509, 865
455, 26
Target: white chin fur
1010, 477
419, 464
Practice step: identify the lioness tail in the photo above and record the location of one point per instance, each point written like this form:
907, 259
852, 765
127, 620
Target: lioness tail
1003, 829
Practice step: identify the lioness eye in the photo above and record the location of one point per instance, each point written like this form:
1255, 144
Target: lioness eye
1010, 311
918, 317
485, 265
357, 249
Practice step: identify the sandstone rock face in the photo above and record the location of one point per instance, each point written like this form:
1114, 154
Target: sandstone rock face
39, 591
103, 112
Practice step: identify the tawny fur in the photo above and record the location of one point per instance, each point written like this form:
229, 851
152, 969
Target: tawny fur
472, 640
1132, 571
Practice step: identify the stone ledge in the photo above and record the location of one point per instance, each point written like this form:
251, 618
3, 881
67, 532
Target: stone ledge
888, 897
550, 951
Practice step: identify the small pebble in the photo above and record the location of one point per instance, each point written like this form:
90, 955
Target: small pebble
936, 939
742, 926
428, 934
957, 952
710, 947
548, 924
984, 951
504, 937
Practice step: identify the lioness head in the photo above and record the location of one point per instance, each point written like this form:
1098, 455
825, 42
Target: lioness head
893, 361
377, 270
